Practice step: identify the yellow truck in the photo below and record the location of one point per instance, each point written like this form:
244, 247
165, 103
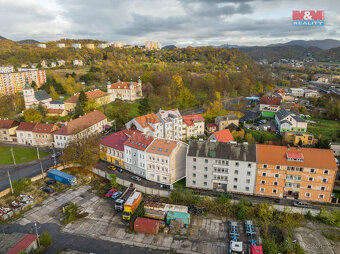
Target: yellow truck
131, 205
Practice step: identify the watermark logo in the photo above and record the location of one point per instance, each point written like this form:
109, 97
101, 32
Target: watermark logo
308, 18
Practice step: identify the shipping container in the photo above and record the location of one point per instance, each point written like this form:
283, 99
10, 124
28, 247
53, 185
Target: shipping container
62, 177
154, 214
166, 207
119, 203
185, 217
131, 205
145, 225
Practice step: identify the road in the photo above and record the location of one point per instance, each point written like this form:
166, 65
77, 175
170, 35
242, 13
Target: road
19, 172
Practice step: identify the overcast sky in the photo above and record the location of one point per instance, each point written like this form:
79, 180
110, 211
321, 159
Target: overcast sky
179, 22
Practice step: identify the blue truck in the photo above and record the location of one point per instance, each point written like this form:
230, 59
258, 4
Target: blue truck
62, 177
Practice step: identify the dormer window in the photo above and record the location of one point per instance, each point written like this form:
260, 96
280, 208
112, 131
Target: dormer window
295, 157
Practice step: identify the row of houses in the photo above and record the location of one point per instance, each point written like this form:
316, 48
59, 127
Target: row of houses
267, 170
51, 135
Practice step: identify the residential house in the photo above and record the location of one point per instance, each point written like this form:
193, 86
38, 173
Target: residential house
99, 97
25, 133
33, 99
280, 92
15, 243
222, 122
112, 147
212, 127
41, 45
193, 126
311, 93
336, 148
8, 130
89, 46
297, 92
76, 45
88, 124
172, 123
43, 134
60, 45
166, 161
221, 166
78, 62
269, 105
289, 121
126, 91
222, 136
294, 138
148, 124
135, 154
295, 173
56, 108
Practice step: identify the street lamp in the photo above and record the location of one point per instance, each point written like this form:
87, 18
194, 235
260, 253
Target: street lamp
13, 156
41, 167
10, 182
36, 231
54, 155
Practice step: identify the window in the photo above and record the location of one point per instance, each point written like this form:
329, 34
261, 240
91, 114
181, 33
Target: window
237, 164
309, 186
194, 159
248, 181
325, 180
206, 160
277, 175
247, 188
264, 174
307, 195
248, 173
235, 187
321, 196
275, 183
193, 182
194, 174
205, 168
205, 183
261, 189
311, 179
263, 182
326, 172
236, 172
312, 170
265, 166
274, 191
277, 167
205, 176
194, 167
323, 188
235, 180
249, 165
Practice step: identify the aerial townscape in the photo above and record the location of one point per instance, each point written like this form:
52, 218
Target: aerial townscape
216, 136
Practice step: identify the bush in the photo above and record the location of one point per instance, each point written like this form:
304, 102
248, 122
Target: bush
45, 239
290, 246
269, 246
20, 185
330, 217
113, 181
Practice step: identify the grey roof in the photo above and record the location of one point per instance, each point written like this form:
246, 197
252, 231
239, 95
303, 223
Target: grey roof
285, 121
248, 116
282, 113
41, 95
240, 152
8, 241
299, 119
56, 102
224, 118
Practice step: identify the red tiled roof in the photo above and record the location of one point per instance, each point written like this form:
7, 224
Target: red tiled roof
122, 85
295, 155
90, 95
115, 140
24, 126
145, 120
211, 125
190, 119
139, 141
23, 244
223, 136
81, 123
7, 124
44, 128
312, 157
55, 111
270, 100
162, 146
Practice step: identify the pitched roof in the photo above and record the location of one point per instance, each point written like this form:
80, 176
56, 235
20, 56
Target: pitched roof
123, 85
139, 141
211, 125
55, 111
314, 158
7, 124
44, 128
94, 94
225, 118
23, 244
81, 123
270, 100
162, 146
41, 95
56, 102
24, 126
299, 119
191, 119
282, 113
223, 136
166, 115
240, 152
145, 120
115, 140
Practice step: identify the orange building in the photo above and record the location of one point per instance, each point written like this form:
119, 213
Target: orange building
295, 173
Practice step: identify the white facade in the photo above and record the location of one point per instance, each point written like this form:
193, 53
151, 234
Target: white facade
172, 123
76, 45
298, 92
311, 93
6, 69
126, 91
42, 45
60, 45
25, 137
154, 128
77, 62
103, 45
135, 161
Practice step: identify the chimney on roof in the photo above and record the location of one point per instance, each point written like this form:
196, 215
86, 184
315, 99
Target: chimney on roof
298, 148
288, 147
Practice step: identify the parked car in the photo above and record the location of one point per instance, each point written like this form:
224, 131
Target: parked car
47, 189
51, 181
120, 170
110, 192
116, 194
165, 186
4, 210
301, 204
277, 201
111, 167
55, 155
15, 204
136, 178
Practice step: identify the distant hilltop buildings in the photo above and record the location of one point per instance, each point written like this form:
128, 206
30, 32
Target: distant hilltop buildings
149, 45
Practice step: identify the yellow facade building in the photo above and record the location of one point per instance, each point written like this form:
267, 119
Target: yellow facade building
294, 138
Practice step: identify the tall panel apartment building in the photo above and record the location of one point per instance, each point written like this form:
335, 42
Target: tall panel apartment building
14, 82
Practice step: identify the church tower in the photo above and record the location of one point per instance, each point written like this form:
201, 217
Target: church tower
28, 92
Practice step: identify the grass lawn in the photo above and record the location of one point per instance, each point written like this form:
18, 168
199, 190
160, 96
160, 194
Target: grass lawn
180, 183
325, 128
268, 136
21, 155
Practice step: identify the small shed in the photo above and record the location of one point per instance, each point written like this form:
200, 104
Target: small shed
185, 217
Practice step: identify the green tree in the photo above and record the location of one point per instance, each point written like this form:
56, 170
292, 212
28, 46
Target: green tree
186, 98
42, 110
53, 93
113, 181
250, 139
144, 107
32, 115
269, 246
45, 239
34, 85
300, 143
78, 110
215, 108
82, 99
261, 139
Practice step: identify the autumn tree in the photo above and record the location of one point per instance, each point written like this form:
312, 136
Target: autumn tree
215, 108
186, 98
84, 150
78, 110
250, 139
32, 115
42, 110
53, 93
144, 107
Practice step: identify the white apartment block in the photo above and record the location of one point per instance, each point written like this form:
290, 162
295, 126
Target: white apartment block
221, 166
42, 45
76, 45
60, 45
193, 126
24, 133
148, 124
172, 123
6, 69
298, 92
